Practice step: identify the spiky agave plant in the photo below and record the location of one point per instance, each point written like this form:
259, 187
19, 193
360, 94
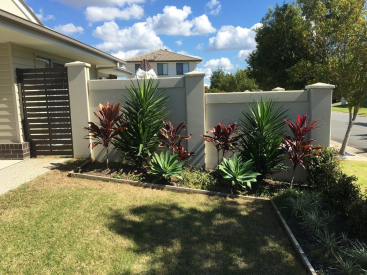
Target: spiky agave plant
145, 109
166, 165
104, 131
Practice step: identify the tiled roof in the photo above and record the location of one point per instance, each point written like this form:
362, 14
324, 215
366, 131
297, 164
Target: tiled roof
162, 55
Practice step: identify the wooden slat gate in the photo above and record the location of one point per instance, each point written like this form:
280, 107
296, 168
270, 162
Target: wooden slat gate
46, 110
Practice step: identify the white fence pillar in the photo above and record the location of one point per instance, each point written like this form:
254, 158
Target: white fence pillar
195, 106
78, 76
320, 99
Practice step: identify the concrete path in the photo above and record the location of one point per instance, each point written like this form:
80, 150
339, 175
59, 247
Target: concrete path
5, 163
351, 153
15, 175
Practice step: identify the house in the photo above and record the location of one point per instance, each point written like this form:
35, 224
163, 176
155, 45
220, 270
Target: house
26, 43
165, 63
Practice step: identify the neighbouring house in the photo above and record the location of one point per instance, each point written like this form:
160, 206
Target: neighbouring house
165, 63
25, 43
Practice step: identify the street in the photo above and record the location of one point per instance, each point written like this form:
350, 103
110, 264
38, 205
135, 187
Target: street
358, 137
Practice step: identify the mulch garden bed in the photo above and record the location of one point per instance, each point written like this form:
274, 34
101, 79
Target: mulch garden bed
131, 172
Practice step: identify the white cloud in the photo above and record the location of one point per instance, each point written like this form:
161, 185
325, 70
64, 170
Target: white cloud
137, 37
230, 38
69, 29
174, 21
100, 3
94, 14
208, 72
243, 54
179, 42
43, 17
215, 64
214, 7
125, 55
200, 46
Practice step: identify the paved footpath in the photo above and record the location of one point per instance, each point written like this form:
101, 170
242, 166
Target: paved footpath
21, 172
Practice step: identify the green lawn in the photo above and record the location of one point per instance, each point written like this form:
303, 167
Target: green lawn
358, 169
344, 108
61, 225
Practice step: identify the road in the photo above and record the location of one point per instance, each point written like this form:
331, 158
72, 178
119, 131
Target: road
358, 137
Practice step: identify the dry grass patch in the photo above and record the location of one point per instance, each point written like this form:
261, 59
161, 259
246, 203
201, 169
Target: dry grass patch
61, 225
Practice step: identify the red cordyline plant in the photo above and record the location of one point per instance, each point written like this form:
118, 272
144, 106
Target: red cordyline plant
224, 137
170, 137
297, 147
103, 132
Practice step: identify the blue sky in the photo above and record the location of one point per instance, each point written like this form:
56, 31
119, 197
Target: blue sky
221, 32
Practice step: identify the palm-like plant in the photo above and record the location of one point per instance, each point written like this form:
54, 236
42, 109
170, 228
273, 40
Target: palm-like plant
263, 129
166, 166
237, 172
104, 132
145, 109
224, 137
297, 147
170, 137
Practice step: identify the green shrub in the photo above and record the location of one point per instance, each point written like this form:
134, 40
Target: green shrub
197, 178
315, 221
166, 166
323, 168
325, 176
237, 172
263, 129
348, 266
357, 217
329, 241
145, 109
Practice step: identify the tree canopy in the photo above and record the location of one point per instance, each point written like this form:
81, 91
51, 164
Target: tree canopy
280, 46
232, 82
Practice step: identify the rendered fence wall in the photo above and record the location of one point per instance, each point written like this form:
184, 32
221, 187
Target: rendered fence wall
187, 102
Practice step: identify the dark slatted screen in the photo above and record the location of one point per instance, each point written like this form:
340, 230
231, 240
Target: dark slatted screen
46, 109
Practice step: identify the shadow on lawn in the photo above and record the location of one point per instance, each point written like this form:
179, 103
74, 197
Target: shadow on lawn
220, 240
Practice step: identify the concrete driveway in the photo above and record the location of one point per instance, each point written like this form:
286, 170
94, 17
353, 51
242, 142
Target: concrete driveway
14, 174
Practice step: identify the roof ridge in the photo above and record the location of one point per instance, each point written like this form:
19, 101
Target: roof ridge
133, 58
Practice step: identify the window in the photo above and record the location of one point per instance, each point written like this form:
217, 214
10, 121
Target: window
182, 68
137, 67
162, 69
42, 62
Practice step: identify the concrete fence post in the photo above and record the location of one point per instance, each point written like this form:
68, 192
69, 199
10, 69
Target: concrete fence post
195, 108
78, 76
320, 99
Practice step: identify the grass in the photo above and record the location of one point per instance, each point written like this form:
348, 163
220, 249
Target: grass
358, 169
61, 225
344, 108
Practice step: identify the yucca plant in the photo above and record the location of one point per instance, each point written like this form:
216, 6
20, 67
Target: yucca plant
166, 165
145, 109
263, 131
104, 131
358, 252
237, 172
170, 137
329, 241
297, 147
349, 266
224, 137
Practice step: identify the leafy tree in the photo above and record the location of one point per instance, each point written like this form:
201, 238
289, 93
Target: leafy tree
232, 82
337, 50
280, 46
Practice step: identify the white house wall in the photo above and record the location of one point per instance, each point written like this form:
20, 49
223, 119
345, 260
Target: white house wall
9, 114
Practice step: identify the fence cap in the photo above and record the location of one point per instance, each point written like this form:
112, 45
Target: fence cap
320, 85
77, 64
278, 89
195, 73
